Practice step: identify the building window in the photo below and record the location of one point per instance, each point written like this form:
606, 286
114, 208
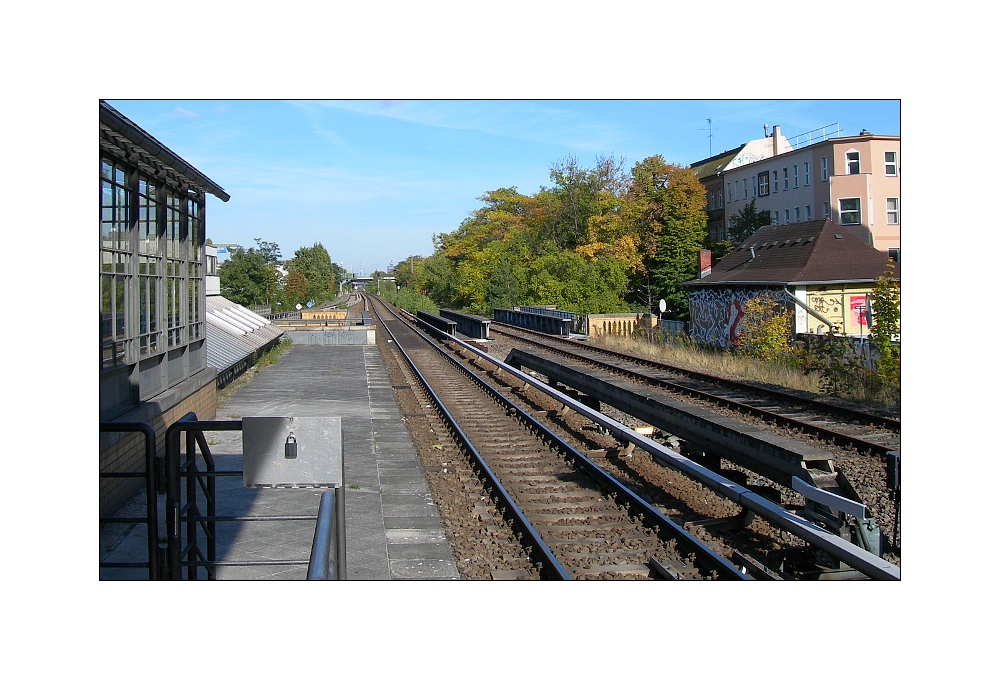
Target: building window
826, 210
763, 184
718, 200
711, 200
729, 191
890, 163
786, 215
798, 214
894, 255
774, 217
795, 172
805, 170
892, 211
850, 211
117, 346
784, 175
745, 194
152, 266
853, 163
809, 212
824, 169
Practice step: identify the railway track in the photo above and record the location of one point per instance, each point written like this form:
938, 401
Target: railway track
859, 430
580, 523
557, 488
856, 441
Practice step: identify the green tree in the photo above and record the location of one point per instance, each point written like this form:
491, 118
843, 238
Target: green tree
747, 221
677, 227
249, 277
885, 302
321, 275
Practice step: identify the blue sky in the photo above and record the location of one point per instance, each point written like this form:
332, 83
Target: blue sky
374, 180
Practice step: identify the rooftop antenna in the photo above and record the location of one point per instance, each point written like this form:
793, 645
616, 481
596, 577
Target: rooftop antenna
709, 136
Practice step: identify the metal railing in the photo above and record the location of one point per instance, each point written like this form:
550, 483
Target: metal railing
186, 476
814, 136
154, 554
328, 560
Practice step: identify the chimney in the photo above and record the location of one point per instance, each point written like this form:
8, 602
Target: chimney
775, 133
704, 263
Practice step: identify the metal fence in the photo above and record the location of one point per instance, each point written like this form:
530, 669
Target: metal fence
185, 477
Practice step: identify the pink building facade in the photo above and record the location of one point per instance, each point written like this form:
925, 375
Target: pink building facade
853, 181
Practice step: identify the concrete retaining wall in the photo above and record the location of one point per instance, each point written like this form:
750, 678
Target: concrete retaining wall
352, 335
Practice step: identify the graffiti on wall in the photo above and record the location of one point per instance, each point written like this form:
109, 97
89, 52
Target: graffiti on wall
716, 314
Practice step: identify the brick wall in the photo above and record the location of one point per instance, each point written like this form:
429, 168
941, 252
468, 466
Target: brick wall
127, 452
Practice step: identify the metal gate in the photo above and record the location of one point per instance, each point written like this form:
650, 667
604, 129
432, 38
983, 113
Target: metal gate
185, 546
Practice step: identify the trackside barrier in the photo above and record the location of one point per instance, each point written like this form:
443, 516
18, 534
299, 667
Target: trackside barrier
469, 325
441, 324
546, 323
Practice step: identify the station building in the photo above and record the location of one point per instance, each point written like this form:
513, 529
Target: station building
152, 274
818, 270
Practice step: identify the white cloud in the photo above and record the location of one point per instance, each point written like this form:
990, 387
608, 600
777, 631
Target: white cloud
539, 122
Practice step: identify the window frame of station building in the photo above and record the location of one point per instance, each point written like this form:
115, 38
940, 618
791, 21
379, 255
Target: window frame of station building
152, 266
150, 270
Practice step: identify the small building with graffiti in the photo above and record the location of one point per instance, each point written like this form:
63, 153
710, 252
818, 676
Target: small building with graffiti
817, 270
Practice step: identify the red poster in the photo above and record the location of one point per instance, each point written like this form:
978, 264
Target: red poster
858, 309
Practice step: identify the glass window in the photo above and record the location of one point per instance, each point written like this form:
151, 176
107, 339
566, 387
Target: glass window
805, 170
786, 216
853, 163
729, 191
795, 173
784, 178
826, 210
850, 211
809, 212
892, 211
894, 255
745, 194
116, 344
890, 163
824, 169
763, 184
798, 214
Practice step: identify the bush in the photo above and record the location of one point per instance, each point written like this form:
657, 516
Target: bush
766, 330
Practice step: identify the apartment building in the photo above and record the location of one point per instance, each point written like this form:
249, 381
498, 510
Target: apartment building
853, 181
711, 171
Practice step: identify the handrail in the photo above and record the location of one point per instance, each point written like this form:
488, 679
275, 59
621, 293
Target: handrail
151, 520
328, 560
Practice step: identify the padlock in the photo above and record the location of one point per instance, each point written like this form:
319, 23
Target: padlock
291, 446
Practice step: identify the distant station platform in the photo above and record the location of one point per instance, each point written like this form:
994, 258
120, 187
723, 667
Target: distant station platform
393, 529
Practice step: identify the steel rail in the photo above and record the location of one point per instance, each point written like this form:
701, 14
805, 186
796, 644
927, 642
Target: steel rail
872, 419
868, 564
706, 555
786, 421
550, 564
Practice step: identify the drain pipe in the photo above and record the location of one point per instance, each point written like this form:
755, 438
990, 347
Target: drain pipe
808, 308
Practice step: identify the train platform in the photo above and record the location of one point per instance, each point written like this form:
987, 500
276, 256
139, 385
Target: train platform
393, 529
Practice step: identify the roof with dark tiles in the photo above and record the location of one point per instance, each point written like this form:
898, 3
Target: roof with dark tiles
818, 251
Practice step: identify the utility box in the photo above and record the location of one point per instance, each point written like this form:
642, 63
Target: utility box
292, 452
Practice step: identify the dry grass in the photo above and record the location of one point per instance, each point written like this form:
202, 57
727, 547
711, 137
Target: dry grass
722, 364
